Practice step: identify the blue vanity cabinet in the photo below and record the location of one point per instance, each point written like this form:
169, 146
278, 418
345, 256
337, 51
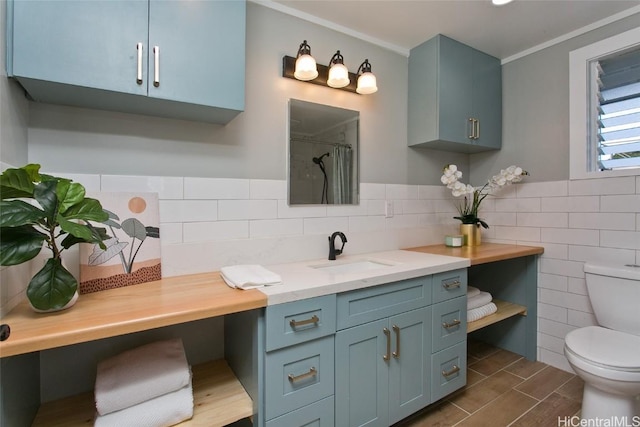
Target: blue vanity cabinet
298, 372
167, 58
455, 97
383, 351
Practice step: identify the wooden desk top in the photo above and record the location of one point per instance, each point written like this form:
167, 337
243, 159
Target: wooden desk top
486, 252
125, 310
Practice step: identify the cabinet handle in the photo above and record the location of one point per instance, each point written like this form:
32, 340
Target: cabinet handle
396, 354
312, 373
455, 322
139, 68
453, 370
387, 333
295, 323
476, 131
471, 128
156, 66
451, 285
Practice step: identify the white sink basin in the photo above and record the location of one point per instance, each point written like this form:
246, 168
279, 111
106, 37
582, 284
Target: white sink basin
351, 267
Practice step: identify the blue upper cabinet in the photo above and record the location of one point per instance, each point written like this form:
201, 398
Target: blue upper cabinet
455, 97
167, 58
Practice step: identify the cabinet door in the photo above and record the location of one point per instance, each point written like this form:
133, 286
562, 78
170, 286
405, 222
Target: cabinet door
455, 90
362, 376
201, 52
409, 373
487, 99
83, 43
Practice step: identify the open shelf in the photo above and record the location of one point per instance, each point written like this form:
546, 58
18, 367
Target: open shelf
218, 398
505, 310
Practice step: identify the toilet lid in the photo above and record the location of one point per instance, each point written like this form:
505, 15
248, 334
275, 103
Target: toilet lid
606, 347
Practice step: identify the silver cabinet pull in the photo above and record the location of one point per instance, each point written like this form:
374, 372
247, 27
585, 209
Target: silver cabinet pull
387, 333
453, 370
396, 354
471, 127
476, 131
312, 373
139, 68
451, 285
295, 323
156, 66
455, 322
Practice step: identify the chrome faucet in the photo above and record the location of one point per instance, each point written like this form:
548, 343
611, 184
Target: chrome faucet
332, 244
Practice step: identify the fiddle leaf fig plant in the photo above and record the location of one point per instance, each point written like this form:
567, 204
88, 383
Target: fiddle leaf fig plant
38, 210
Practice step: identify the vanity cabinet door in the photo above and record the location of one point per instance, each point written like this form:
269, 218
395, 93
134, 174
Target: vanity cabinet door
89, 44
362, 376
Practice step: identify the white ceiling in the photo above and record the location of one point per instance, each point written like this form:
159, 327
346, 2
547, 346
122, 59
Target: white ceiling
502, 31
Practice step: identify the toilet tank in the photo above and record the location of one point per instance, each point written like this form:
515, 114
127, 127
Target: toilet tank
614, 291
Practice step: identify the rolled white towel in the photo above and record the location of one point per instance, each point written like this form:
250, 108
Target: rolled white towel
472, 291
141, 374
249, 276
162, 411
479, 300
480, 312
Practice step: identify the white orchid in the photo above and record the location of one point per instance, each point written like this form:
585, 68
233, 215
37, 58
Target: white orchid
469, 208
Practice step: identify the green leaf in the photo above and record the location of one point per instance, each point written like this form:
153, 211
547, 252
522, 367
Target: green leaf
69, 193
88, 210
19, 244
16, 183
153, 232
134, 228
14, 213
98, 235
81, 231
52, 287
45, 194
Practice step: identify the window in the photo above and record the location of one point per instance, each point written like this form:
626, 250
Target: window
605, 108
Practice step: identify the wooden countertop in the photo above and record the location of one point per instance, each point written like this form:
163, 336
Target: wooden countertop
486, 252
125, 310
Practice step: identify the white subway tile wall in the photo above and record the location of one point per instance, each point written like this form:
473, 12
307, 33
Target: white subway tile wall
209, 222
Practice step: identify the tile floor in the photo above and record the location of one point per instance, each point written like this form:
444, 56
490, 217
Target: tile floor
505, 389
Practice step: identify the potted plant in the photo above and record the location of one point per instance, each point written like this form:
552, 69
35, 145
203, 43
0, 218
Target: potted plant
39, 210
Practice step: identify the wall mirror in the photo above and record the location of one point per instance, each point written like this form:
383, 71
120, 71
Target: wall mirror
323, 154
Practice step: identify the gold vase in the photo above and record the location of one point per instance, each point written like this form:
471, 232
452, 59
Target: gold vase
471, 233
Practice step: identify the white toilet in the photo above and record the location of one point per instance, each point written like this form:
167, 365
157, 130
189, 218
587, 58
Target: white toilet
607, 357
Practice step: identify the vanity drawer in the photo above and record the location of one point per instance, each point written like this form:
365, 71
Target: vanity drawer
297, 376
318, 414
448, 370
449, 323
365, 305
299, 321
449, 284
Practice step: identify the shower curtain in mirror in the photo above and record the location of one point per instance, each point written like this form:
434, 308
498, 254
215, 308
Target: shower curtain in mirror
342, 171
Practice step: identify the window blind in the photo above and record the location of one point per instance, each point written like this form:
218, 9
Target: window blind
617, 79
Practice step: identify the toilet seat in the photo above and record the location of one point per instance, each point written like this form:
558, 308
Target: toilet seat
605, 352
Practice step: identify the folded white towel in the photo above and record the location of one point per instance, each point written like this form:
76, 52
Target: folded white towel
141, 374
480, 312
479, 300
162, 411
249, 276
472, 291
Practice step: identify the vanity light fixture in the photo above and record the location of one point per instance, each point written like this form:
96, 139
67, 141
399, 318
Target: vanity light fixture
338, 72
306, 68
500, 2
366, 79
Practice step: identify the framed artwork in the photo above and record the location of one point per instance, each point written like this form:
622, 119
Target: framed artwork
132, 253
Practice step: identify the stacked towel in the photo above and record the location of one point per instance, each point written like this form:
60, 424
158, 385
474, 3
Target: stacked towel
479, 304
149, 386
249, 276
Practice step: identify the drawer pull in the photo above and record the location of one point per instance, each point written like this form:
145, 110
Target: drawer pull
451, 285
139, 64
455, 322
453, 370
295, 323
156, 66
312, 373
396, 354
387, 333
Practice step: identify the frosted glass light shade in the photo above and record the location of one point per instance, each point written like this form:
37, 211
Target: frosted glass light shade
306, 68
367, 84
500, 2
338, 76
